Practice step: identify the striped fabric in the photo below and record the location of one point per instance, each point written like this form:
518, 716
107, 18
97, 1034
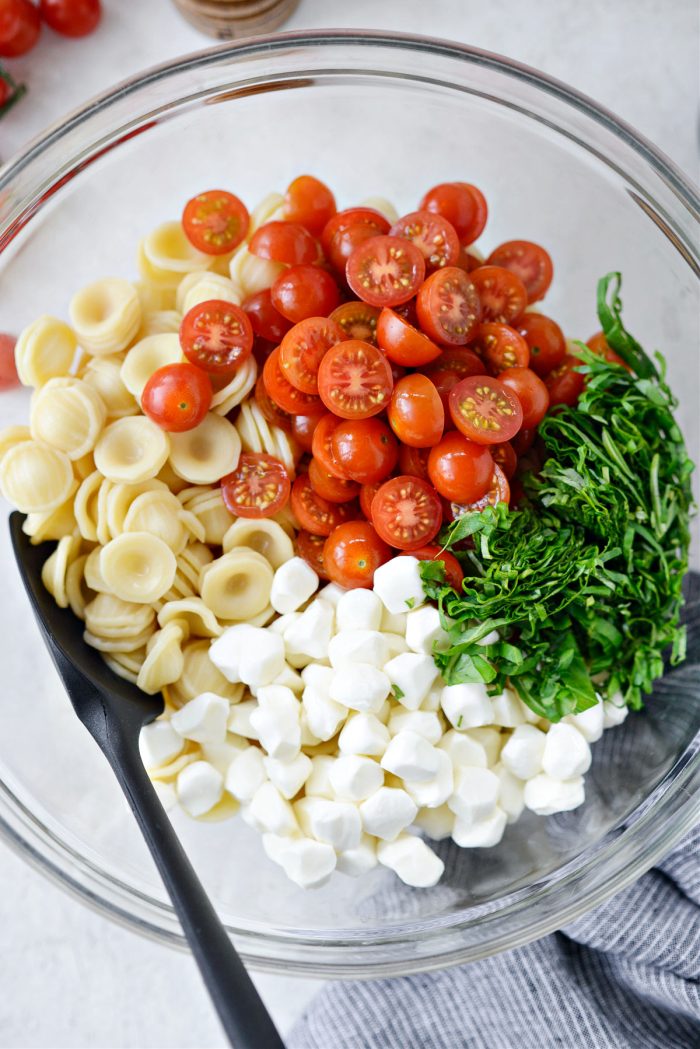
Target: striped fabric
625, 976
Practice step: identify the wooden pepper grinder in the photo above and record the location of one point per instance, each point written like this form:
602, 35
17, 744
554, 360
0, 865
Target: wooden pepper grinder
232, 19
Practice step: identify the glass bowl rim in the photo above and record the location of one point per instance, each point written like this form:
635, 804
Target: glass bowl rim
644, 838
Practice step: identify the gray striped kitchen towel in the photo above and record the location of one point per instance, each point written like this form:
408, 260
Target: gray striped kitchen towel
624, 976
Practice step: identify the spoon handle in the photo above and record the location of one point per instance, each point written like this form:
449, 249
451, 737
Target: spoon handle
245, 1019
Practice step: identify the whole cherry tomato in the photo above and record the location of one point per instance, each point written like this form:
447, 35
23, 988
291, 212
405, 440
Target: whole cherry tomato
177, 397
352, 554
460, 469
416, 414
365, 449
530, 391
20, 26
71, 17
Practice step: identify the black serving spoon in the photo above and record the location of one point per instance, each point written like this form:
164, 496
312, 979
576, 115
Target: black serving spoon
114, 711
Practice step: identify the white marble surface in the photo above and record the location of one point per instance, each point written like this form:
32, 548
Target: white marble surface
67, 976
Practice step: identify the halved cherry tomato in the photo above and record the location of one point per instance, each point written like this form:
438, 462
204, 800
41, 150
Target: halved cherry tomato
523, 441
267, 322
453, 571
499, 492
402, 343
304, 291
177, 397
352, 554
322, 444
432, 234
367, 494
546, 341
530, 391
443, 381
304, 426
528, 261
406, 512
216, 336
330, 487
258, 487
385, 271
272, 412
286, 242
358, 320
216, 221
310, 547
462, 204
286, 396
72, 18
309, 202
485, 410
8, 367
354, 380
459, 359
416, 414
502, 295
365, 449
408, 311
468, 261
501, 347
504, 456
599, 344
448, 307
565, 383
315, 514
414, 461
460, 469
347, 229
303, 348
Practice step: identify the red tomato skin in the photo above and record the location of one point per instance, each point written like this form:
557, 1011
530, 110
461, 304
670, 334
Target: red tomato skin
353, 552
599, 344
8, 366
462, 204
272, 412
416, 414
303, 347
530, 262
365, 450
310, 547
530, 391
443, 381
433, 235
20, 26
387, 503
304, 291
309, 202
267, 322
311, 510
499, 492
269, 480
177, 397
286, 242
485, 410
546, 341
367, 494
501, 347
216, 336
304, 427
402, 343
523, 441
453, 571
408, 264
330, 487
453, 288
340, 394
413, 462
344, 220
286, 396
230, 221
502, 294
565, 383
71, 17
504, 456
460, 469
322, 444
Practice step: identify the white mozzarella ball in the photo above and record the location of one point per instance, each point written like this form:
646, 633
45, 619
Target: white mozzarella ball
384, 712
228, 650
463, 750
305, 862
491, 739
410, 756
263, 659
412, 674
566, 753
394, 622
203, 719
239, 719
436, 823
246, 774
308, 738
290, 678
399, 585
292, 585
221, 755
425, 722
159, 743
415, 862
272, 812
349, 647
432, 793
506, 709
424, 630
511, 796
590, 723
332, 593
545, 795
388, 812
282, 624
432, 700
360, 860
489, 639
318, 677
360, 687
355, 778
277, 722
336, 823
467, 705
288, 776
363, 734
359, 609
310, 635
614, 711
199, 788
529, 715
396, 645
480, 834
318, 785
522, 754
475, 794
322, 714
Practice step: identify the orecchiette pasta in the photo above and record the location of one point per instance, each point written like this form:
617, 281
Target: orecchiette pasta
155, 277
85, 506
103, 533
153, 296
264, 536
55, 568
118, 644
93, 574
109, 616
36, 478
138, 567
121, 663
166, 773
104, 375
164, 659
186, 582
146, 357
67, 414
200, 675
251, 274
170, 479
208, 507
201, 286
54, 524
84, 466
200, 619
383, 206
237, 585
236, 389
167, 248
257, 435
106, 315
269, 209
159, 513
77, 591
132, 450
120, 498
11, 436
207, 453
159, 322
45, 350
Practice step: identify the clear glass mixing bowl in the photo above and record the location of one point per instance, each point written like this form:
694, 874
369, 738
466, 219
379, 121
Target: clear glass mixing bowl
369, 114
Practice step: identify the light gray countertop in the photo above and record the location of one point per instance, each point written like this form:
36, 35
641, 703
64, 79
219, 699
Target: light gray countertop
68, 977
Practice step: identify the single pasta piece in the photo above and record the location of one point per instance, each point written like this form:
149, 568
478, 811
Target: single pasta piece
251, 274
85, 505
132, 450
201, 621
237, 585
119, 501
160, 514
77, 591
265, 536
104, 375
269, 209
55, 568
67, 414
153, 296
200, 675
157, 278
265, 616
208, 452
93, 574
138, 567
103, 532
45, 350
106, 315
84, 466
167, 248
202, 286
54, 524
36, 478
118, 644
125, 664
207, 505
170, 479
11, 436
146, 357
164, 659
159, 322
109, 616
236, 389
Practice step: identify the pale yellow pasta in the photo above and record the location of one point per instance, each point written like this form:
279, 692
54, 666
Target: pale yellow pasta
153, 296
116, 661
200, 675
103, 533
258, 435
55, 567
168, 772
264, 536
208, 507
158, 513
106, 315
11, 436
191, 561
67, 414
201, 621
54, 524
164, 660
237, 389
251, 274
138, 567
77, 591
159, 322
132, 450
36, 478
104, 375
170, 479
108, 616
265, 616
384, 207
146, 357
202, 286
237, 585
167, 248
83, 466
224, 809
45, 349
155, 277
269, 209
118, 644
120, 498
286, 519
85, 506
208, 452
93, 574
